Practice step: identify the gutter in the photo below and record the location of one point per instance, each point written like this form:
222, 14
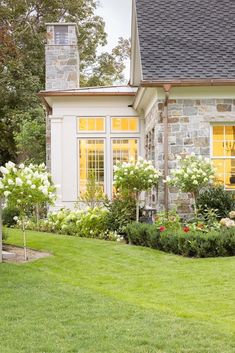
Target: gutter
165, 116
188, 83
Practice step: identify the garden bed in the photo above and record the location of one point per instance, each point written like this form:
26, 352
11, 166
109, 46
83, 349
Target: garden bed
19, 254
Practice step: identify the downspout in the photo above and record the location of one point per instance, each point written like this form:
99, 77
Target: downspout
167, 89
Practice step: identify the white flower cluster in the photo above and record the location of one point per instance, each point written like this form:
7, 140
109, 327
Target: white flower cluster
26, 185
139, 176
194, 172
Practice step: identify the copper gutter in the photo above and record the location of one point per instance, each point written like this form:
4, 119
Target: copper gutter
165, 115
188, 83
84, 94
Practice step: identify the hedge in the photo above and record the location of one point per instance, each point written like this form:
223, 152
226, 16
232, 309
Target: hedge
191, 244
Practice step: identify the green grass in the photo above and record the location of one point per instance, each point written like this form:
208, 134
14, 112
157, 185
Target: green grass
93, 296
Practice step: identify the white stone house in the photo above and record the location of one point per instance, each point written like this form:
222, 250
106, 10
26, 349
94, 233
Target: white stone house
180, 99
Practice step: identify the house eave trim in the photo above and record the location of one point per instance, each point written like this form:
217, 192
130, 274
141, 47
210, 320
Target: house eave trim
188, 83
85, 94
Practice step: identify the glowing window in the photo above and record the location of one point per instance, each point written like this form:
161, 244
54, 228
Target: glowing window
91, 162
125, 124
223, 154
91, 124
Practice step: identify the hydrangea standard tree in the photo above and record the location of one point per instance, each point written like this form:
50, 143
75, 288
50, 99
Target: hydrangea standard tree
133, 178
26, 187
193, 174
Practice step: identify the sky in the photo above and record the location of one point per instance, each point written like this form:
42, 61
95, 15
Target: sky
117, 17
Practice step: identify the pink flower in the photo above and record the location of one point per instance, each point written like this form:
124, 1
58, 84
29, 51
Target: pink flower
162, 229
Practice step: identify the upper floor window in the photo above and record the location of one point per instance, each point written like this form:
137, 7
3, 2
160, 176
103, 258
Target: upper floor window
125, 124
223, 154
91, 124
61, 35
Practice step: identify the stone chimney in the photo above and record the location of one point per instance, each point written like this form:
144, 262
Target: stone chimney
62, 57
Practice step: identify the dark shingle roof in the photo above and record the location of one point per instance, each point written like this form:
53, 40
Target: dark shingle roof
187, 39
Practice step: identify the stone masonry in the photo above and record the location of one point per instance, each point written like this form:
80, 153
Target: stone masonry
189, 131
62, 60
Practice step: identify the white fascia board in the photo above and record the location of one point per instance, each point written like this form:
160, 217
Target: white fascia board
135, 63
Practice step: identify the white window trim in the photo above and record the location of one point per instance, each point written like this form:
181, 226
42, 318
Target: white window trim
211, 146
92, 131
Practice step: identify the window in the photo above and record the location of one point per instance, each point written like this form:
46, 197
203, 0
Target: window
125, 124
150, 145
91, 124
124, 150
223, 154
61, 35
91, 161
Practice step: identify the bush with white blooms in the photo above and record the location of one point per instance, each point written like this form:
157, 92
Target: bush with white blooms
135, 177
193, 174
25, 187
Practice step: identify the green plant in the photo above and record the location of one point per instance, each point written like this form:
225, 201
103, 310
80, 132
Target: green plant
8, 216
121, 212
24, 188
134, 177
142, 234
170, 221
94, 195
217, 198
184, 242
194, 173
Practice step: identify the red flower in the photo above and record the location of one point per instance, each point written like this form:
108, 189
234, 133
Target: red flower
186, 229
162, 229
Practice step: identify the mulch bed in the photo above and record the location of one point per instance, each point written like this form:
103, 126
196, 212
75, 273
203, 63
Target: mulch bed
19, 254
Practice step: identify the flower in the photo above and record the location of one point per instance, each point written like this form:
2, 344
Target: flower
19, 182
186, 229
162, 229
232, 214
6, 193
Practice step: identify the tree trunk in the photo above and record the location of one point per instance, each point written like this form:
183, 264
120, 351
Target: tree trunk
137, 207
1, 230
24, 239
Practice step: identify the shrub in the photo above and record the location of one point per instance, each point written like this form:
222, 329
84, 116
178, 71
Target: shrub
169, 221
190, 244
217, 198
142, 234
121, 213
8, 215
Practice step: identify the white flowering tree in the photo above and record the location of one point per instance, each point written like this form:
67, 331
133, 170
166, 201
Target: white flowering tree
193, 174
134, 178
26, 187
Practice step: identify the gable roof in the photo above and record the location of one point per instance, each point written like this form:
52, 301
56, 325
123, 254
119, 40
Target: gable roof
186, 39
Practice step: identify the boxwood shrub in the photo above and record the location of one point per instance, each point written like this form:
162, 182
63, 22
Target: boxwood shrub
191, 244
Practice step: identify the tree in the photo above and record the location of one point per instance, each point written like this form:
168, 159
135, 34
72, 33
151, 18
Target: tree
133, 178
22, 63
25, 188
193, 174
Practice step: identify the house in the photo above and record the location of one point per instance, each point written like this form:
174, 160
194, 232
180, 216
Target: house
181, 99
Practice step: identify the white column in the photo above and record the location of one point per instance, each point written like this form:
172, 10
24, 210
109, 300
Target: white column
56, 155
142, 137
70, 161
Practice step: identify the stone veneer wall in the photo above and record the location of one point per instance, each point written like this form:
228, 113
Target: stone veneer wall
62, 61
189, 131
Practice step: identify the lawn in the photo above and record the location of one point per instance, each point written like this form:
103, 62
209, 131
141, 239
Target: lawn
94, 296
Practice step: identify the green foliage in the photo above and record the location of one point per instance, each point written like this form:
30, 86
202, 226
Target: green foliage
31, 138
94, 195
190, 244
89, 223
135, 177
26, 187
194, 173
216, 198
142, 234
121, 212
170, 221
8, 215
